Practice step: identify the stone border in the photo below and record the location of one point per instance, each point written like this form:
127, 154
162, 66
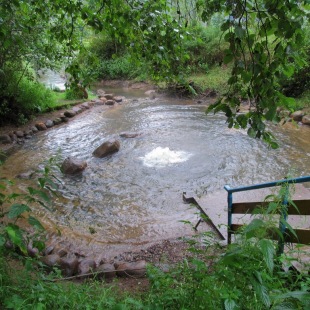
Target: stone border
9, 140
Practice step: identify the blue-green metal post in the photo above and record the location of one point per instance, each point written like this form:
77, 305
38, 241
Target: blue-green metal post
283, 219
229, 203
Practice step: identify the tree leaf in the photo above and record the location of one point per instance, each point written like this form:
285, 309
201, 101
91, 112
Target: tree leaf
228, 58
16, 236
2, 240
17, 209
35, 223
229, 304
267, 248
260, 289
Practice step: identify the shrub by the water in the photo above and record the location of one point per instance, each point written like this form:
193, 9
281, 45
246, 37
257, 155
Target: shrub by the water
24, 97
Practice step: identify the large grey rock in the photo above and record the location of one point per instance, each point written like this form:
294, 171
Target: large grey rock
306, 120
108, 96
13, 136
85, 105
124, 269
77, 110
100, 101
86, 266
297, 116
105, 271
118, 98
69, 266
103, 100
28, 132
57, 121
63, 117
72, 165
49, 123
5, 139
34, 129
70, 113
107, 148
110, 102
19, 134
51, 260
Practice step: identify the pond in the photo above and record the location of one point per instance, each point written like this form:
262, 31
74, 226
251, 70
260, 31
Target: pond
134, 197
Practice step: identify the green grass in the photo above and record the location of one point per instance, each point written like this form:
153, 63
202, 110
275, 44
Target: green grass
304, 101
61, 100
215, 79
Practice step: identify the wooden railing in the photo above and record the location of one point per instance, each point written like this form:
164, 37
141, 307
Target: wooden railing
303, 208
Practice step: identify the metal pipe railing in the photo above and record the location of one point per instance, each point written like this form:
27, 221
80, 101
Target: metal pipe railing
230, 192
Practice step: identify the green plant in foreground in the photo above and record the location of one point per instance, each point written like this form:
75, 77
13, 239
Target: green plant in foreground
15, 207
248, 275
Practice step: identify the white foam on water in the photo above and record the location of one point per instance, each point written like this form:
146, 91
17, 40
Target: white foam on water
161, 157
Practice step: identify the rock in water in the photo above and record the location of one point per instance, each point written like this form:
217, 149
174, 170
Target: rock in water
129, 134
107, 148
297, 116
306, 120
72, 165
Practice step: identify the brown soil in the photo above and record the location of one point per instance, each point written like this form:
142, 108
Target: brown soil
165, 255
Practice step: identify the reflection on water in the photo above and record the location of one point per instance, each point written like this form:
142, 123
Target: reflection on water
134, 196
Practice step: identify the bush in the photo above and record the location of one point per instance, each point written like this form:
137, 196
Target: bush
299, 83
204, 48
22, 97
119, 68
106, 58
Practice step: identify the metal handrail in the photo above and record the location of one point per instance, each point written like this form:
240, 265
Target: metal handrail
265, 185
230, 192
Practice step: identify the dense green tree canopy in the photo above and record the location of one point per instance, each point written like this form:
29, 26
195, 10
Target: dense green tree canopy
264, 38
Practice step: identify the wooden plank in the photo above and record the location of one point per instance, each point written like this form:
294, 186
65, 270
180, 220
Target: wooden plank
248, 207
303, 235
235, 227
205, 216
303, 207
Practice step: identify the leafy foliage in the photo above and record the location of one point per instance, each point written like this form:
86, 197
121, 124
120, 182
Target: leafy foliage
264, 39
248, 275
15, 207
